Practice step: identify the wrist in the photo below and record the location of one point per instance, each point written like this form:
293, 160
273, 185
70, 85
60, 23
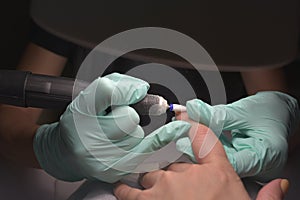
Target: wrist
53, 156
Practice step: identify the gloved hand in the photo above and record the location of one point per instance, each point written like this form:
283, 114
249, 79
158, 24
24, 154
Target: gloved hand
259, 125
89, 143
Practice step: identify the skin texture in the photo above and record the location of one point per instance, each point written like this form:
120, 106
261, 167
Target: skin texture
264, 80
18, 125
214, 178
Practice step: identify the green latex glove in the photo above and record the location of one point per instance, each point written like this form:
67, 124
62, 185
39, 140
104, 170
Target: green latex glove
89, 143
259, 125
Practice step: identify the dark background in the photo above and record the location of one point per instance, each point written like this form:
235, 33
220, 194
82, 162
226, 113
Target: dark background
15, 22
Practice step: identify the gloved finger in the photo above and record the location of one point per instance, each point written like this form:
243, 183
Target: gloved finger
150, 178
222, 117
163, 136
119, 130
121, 122
130, 141
227, 117
184, 145
114, 89
150, 144
212, 116
199, 111
246, 112
123, 89
256, 157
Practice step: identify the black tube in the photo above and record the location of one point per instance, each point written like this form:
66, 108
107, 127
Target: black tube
12, 87
22, 88
44, 91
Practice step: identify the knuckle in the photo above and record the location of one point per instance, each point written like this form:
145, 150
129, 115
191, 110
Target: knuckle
222, 176
104, 85
165, 176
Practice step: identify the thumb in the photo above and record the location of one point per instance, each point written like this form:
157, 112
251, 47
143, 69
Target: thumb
112, 90
206, 145
275, 190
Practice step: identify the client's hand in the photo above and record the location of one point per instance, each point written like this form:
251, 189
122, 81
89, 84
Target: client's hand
214, 178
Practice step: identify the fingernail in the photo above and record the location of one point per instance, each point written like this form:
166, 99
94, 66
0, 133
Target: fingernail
284, 185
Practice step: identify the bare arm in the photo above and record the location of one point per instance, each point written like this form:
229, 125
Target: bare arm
18, 125
264, 79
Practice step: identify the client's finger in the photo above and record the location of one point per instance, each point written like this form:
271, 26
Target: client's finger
275, 190
178, 167
149, 179
123, 191
206, 146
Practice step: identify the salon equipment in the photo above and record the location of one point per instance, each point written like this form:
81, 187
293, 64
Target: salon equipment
25, 89
87, 142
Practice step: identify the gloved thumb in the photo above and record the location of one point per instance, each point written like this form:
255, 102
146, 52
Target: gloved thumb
275, 190
112, 90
